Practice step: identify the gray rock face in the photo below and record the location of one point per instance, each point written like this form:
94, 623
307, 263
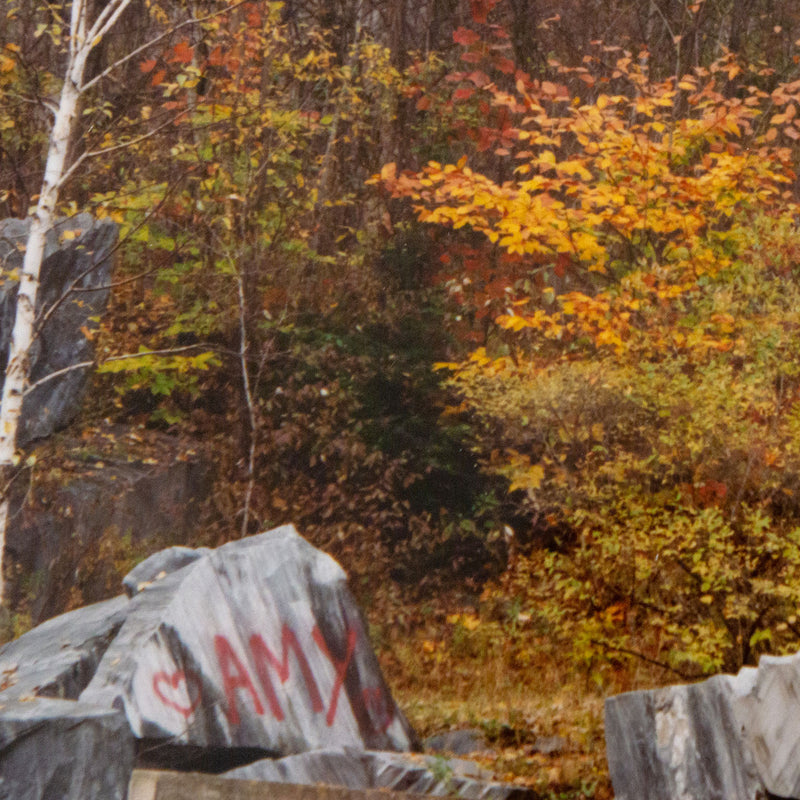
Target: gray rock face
767, 712
257, 644
75, 276
60, 657
159, 565
400, 772
679, 743
733, 737
58, 524
255, 647
62, 750
56, 749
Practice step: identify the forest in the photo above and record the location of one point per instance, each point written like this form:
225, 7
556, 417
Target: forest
498, 301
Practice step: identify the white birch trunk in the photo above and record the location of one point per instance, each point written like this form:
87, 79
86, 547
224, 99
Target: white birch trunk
81, 43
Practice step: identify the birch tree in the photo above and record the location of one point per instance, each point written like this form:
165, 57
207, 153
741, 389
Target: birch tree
83, 36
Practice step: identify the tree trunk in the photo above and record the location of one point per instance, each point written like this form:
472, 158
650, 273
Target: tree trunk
81, 43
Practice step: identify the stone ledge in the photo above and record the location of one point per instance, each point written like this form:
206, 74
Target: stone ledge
147, 784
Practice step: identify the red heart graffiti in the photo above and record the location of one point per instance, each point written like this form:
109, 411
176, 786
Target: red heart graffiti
379, 706
190, 681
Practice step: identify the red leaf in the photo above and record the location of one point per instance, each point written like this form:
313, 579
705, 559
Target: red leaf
148, 66
463, 94
465, 36
182, 53
215, 57
158, 77
480, 9
472, 58
479, 78
487, 138
505, 65
562, 262
424, 103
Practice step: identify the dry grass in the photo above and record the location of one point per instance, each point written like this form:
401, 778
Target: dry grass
458, 668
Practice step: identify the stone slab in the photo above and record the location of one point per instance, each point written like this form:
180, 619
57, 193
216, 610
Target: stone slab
768, 712
680, 743
408, 773
167, 785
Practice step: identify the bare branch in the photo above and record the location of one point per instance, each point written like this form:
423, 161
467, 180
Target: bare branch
105, 21
147, 45
92, 153
125, 357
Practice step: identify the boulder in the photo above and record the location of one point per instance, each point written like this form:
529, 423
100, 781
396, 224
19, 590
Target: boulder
73, 292
60, 657
257, 644
733, 737
459, 742
63, 750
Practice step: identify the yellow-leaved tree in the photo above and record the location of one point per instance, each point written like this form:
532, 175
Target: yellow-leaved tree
639, 388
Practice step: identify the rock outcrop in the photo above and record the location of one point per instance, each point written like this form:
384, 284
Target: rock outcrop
733, 737
111, 493
73, 292
212, 659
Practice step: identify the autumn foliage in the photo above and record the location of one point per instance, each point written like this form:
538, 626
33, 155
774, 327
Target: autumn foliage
501, 315
638, 386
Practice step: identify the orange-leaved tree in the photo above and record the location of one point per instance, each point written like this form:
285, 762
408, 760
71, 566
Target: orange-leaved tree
639, 392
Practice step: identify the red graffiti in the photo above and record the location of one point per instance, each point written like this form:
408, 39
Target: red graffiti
167, 690
234, 676
339, 666
263, 656
238, 683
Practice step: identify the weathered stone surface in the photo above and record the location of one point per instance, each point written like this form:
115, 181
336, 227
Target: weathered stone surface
75, 275
59, 657
336, 767
432, 775
159, 565
681, 743
62, 750
767, 711
59, 522
256, 644
399, 772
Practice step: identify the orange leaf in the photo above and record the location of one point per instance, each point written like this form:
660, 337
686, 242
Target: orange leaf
465, 36
182, 53
148, 66
389, 171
